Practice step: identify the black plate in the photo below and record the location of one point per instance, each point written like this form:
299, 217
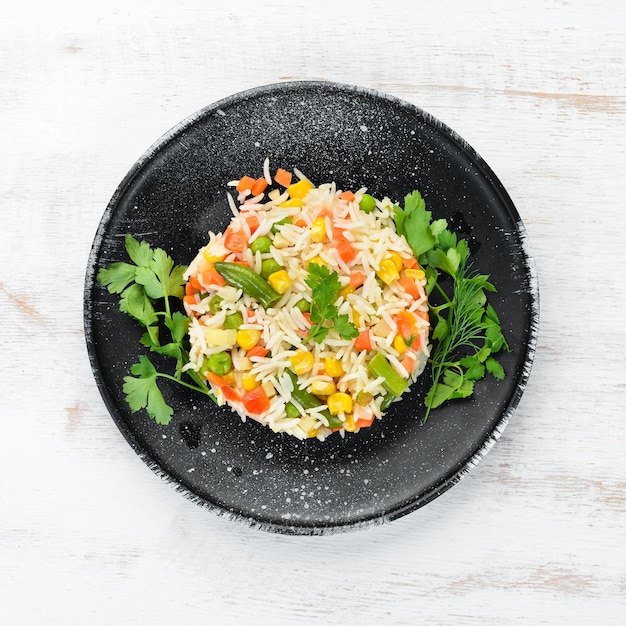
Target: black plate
176, 192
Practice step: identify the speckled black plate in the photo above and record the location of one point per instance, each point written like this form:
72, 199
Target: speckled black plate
176, 192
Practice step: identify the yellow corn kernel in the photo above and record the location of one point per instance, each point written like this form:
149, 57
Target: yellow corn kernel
399, 344
249, 382
269, 389
300, 189
280, 281
333, 367
396, 259
388, 272
415, 274
248, 338
302, 362
291, 203
309, 425
211, 258
318, 230
356, 318
339, 402
318, 260
344, 292
349, 425
322, 388
220, 336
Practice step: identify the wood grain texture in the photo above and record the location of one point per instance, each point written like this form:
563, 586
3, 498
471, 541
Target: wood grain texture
535, 534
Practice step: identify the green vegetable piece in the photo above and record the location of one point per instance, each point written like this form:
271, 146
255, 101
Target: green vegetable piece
215, 304
363, 398
308, 401
387, 400
269, 266
246, 279
261, 244
367, 203
303, 305
233, 321
220, 363
276, 225
291, 411
393, 382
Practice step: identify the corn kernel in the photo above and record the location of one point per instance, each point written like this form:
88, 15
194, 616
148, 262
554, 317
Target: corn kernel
280, 281
396, 259
249, 382
302, 362
269, 389
415, 274
248, 338
318, 260
399, 344
318, 230
322, 388
344, 292
339, 402
388, 272
291, 203
220, 336
300, 189
333, 367
349, 424
210, 258
356, 318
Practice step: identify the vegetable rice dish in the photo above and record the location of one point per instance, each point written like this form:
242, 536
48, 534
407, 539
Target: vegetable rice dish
309, 312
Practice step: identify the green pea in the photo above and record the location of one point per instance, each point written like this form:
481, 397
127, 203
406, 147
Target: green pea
303, 305
367, 203
276, 225
233, 321
261, 244
269, 266
220, 363
291, 410
215, 304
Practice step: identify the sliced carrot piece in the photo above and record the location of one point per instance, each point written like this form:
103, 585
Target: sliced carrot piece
345, 251
189, 299
211, 277
348, 196
408, 362
409, 262
195, 283
423, 314
189, 291
356, 279
364, 422
408, 284
257, 351
253, 221
363, 341
231, 394
245, 183
256, 401
259, 186
235, 241
406, 324
283, 177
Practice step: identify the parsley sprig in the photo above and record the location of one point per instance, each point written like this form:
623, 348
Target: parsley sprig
325, 287
145, 287
467, 329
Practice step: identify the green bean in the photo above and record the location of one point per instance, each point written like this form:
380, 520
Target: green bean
392, 381
291, 411
308, 401
246, 279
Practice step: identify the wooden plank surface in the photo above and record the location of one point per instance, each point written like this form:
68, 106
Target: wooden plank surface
535, 534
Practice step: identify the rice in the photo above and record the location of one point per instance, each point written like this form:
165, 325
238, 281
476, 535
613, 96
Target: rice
284, 230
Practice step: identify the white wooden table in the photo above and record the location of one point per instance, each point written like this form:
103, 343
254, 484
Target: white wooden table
535, 535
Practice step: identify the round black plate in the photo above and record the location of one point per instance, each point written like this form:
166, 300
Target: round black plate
357, 137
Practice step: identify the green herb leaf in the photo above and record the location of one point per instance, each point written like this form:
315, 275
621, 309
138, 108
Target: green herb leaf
142, 392
117, 276
494, 368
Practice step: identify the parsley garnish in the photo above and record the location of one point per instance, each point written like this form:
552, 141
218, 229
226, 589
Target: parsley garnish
325, 287
466, 328
151, 280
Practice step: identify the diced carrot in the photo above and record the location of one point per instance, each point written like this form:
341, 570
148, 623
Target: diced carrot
363, 341
256, 401
423, 314
364, 422
408, 362
283, 177
231, 394
218, 381
253, 221
325, 213
189, 299
211, 277
345, 251
348, 196
195, 283
259, 186
338, 234
189, 291
245, 182
416, 343
300, 222
235, 241
257, 351
409, 262
307, 316
356, 279
405, 321
409, 285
